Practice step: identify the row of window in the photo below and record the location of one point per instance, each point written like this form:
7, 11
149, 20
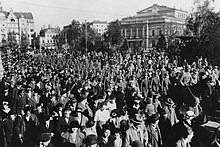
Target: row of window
50, 41
100, 30
100, 26
140, 33
181, 15
49, 35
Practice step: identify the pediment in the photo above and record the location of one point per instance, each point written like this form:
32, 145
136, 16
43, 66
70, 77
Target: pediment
154, 9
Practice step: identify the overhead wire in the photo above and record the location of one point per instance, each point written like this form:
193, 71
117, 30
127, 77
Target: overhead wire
68, 9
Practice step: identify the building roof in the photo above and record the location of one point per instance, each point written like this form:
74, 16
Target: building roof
49, 30
99, 22
153, 12
6, 13
159, 8
27, 15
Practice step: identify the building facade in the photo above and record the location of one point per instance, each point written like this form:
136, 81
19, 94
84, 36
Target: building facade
16, 23
100, 27
144, 29
48, 37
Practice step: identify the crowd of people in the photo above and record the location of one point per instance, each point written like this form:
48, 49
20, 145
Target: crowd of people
103, 100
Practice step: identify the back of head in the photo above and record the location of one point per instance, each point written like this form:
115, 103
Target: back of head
137, 143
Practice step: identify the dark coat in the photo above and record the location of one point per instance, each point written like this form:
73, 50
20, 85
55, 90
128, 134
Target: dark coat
110, 142
63, 125
49, 145
43, 129
152, 139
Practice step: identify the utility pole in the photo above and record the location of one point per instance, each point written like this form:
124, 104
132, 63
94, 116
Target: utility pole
86, 35
19, 33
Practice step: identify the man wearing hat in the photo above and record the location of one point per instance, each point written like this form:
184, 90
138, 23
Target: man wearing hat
154, 134
27, 127
64, 122
21, 101
91, 141
74, 135
136, 131
45, 140
47, 125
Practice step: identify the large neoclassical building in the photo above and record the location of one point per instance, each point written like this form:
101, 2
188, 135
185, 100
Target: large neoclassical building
144, 28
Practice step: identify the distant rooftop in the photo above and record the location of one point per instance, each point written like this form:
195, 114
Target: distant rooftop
98, 21
26, 15
50, 29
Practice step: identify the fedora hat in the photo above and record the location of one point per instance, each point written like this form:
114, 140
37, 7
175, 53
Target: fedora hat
74, 124
45, 137
90, 140
169, 102
137, 119
45, 117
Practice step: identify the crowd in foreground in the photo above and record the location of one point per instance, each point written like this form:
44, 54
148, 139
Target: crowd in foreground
102, 100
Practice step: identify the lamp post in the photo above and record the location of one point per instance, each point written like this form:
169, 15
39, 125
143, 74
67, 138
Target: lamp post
147, 35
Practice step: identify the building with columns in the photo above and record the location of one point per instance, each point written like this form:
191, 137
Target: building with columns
144, 28
16, 23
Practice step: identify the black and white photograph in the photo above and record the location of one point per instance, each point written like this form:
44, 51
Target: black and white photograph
109, 73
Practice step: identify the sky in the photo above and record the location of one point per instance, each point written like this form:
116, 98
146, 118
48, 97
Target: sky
62, 12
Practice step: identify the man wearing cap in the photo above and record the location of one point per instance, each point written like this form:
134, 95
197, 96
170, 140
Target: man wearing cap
136, 132
74, 135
